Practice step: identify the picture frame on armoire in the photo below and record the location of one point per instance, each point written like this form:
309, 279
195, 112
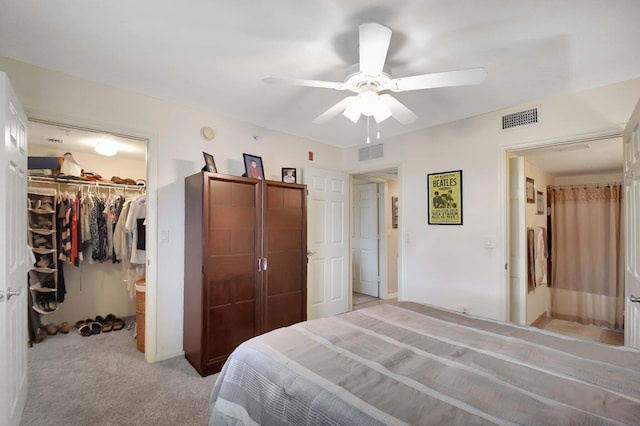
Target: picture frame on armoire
289, 175
209, 163
253, 166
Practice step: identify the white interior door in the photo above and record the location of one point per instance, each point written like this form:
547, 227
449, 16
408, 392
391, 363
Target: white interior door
364, 239
517, 243
13, 257
328, 286
631, 141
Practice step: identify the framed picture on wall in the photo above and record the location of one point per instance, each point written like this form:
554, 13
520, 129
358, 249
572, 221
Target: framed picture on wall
444, 198
394, 212
539, 202
531, 191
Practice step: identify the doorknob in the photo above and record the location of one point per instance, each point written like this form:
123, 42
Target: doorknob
12, 293
310, 253
632, 298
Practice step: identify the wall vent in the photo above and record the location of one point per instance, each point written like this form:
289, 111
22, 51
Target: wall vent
371, 152
521, 118
53, 140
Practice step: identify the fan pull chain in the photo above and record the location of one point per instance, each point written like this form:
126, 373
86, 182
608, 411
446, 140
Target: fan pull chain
368, 139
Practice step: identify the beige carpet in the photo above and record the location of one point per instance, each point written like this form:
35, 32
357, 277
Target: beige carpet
103, 380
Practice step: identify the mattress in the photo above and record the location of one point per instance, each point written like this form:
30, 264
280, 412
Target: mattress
409, 363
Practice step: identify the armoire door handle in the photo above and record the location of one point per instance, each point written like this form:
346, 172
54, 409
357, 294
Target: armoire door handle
262, 264
633, 298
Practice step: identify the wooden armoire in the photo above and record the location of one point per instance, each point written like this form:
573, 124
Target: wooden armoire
245, 266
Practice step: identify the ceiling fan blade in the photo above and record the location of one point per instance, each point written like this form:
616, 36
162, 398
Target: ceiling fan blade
374, 44
305, 83
439, 79
334, 110
353, 111
398, 111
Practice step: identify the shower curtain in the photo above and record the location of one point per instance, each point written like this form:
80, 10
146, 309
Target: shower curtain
587, 278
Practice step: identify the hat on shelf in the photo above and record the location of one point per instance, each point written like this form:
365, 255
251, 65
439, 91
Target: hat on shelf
70, 166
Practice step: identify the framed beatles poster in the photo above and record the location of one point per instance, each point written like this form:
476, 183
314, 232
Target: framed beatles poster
444, 198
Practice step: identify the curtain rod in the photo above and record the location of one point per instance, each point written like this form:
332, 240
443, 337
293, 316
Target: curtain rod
582, 185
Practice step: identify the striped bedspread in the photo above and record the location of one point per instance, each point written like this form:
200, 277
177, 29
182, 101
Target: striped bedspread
407, 363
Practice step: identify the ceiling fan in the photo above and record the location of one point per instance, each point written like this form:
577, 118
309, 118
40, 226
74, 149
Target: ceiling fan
370, 80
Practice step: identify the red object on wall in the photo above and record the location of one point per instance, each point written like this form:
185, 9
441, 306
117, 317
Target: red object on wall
310, 155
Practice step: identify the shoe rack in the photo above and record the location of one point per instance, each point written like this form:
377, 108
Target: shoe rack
43, 276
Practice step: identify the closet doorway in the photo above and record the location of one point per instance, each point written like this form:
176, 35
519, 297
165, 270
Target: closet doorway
97, 284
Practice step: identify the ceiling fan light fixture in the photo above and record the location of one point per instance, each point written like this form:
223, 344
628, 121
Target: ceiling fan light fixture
353, 111
382, 112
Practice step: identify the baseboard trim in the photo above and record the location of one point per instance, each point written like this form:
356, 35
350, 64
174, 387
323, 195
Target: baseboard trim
391, 296
540, 321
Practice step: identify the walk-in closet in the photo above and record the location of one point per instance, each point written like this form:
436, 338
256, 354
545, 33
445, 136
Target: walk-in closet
86, 229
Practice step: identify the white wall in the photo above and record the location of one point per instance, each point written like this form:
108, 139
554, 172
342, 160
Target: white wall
174, 133
432, 255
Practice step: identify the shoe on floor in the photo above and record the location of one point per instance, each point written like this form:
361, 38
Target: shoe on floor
118, 324
96, 328
64, 327
85, 330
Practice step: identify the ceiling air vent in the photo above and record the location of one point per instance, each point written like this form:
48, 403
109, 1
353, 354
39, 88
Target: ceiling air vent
371, 152
521, 118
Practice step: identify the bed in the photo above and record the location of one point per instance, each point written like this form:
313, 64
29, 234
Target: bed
409, 363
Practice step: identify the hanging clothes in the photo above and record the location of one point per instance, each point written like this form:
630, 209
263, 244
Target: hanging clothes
136, 225
121, 245
98, 225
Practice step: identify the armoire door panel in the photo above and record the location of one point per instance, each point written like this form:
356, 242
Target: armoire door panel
232, 217
228, 327
226, 267
284, 240
283, 310
231, 242
283, 275
225, 292
285, 249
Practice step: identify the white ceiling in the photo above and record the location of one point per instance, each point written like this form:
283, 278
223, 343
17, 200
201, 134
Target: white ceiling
60, 139
212, 55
